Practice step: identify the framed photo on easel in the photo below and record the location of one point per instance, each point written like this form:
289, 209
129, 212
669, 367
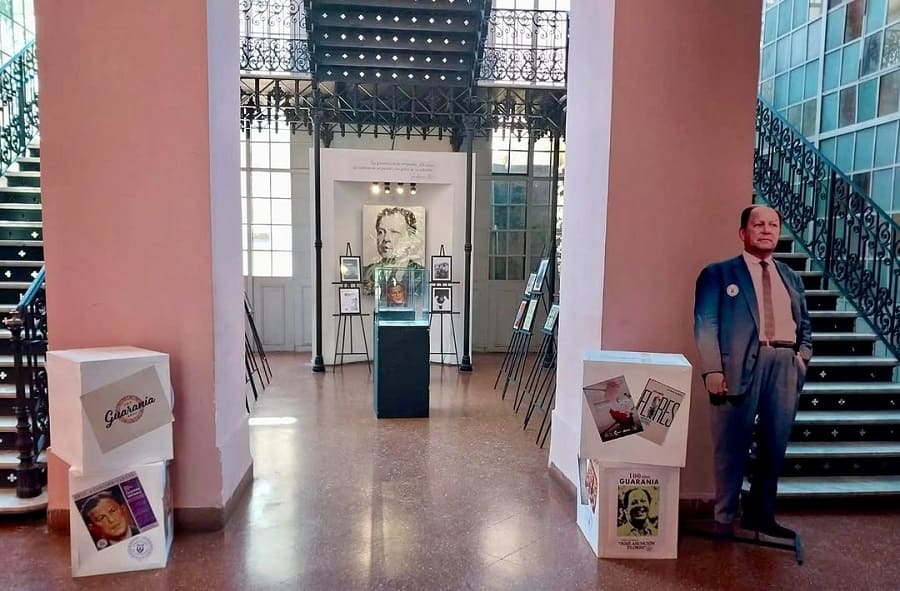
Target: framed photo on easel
350, 269
441, 268
441, 299
349, 300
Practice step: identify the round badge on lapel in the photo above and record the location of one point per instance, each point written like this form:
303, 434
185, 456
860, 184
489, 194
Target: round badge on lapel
732, 290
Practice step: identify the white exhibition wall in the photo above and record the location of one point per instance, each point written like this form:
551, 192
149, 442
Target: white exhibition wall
346, 180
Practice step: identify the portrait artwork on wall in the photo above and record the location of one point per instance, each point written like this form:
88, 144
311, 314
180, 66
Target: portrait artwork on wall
441, 299
350, 269
349, 298
393, 236
441, 268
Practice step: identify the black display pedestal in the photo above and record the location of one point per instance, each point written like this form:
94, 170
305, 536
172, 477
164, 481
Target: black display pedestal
401, 367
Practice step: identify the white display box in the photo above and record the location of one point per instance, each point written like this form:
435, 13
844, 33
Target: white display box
120, 521
112, 407
628, 510
635, 408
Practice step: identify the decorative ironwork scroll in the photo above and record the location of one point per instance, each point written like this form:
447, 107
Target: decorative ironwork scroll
526, 47
18, 105
33, 311
853, 240
273, 36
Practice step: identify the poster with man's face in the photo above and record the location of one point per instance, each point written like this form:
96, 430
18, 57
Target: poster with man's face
394, 236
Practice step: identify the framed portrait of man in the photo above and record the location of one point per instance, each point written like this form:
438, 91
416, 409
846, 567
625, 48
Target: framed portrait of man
441, 268
349, 299
350, 269
441, 299
520, 314
393, 236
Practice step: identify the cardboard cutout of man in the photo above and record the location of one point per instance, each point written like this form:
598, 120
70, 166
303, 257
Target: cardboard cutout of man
753, 333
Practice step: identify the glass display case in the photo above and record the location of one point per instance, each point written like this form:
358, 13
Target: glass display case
401, 295
402, 342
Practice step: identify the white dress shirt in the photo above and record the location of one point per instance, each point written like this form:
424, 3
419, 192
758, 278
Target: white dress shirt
785, 327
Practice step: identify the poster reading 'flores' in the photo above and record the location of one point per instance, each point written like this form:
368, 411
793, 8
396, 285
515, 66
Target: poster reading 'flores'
127, 409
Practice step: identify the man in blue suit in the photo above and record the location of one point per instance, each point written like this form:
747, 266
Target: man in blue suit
753, 333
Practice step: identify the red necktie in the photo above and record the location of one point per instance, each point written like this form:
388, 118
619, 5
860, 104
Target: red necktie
768, 307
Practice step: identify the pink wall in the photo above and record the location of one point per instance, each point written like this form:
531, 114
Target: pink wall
126, 177
680, 171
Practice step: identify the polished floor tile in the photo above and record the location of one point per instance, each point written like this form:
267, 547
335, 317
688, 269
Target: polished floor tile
462, 500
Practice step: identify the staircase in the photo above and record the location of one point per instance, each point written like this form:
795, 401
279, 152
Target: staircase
21, 258
846, 437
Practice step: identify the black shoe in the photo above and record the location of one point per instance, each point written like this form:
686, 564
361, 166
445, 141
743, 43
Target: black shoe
770, 528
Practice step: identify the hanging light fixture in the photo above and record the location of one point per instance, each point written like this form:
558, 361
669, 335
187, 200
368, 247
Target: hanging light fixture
387, 188
376, 188
400, 189
412, 188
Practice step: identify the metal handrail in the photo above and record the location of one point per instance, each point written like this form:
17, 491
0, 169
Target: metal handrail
849, 236
19, 117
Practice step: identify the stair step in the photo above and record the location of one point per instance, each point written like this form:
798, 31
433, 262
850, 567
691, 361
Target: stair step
22, 263
21, 206
855, 449
813, 417
10, 459
8, 391
8, 424
10, 504
833, 336
833, 314
838, 486
15, 284
851, 388
20, 194
823, 292
851, 360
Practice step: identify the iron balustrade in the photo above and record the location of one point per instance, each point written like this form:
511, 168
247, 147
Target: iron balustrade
18, 105
847, 235
526, 47
28, 329
273, 36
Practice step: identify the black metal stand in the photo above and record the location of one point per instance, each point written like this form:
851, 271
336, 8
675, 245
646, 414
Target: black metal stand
534, 375
340, 335
442, 352
256, 345
753, 538
517, 363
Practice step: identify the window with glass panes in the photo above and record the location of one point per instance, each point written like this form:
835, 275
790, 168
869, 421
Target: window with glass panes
16, 26
538, 38
266, 203
520, 203
851, 65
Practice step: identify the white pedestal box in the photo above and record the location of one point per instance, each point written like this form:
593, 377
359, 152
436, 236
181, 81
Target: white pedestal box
635, 407
629, 510
120, 521
634, 427
113, 407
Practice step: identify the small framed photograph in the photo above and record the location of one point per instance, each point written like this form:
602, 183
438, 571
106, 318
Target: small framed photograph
441, 268
441, 299
520, 314
538, 284
349, 297
550, 323
529, 315
350, 269
530, 285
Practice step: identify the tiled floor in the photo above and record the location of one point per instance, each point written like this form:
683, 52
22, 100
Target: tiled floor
462, 500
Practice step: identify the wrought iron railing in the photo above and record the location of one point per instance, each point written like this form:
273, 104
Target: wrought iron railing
273, 36
851, 238
28, 328
18, 105
526, 47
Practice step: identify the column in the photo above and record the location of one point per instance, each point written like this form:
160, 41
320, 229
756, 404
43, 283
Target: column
140, 187
661, 104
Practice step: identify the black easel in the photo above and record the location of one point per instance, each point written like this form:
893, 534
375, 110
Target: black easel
444, 313
543, 385
345, 321
255, 346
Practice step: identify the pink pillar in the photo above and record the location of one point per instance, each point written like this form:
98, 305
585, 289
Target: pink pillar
139, 146
660, 161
